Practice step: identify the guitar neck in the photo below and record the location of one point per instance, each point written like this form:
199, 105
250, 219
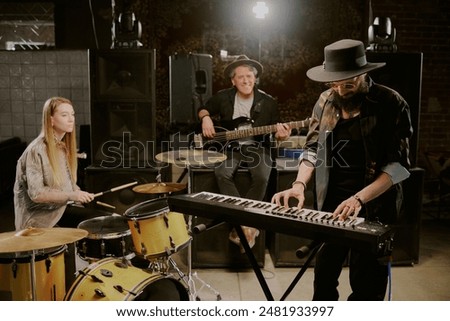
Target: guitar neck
261, 130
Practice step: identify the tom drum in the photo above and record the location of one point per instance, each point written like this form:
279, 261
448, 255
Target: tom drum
156, 232
109, 236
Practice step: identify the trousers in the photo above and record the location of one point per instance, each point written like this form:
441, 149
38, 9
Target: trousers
368, 276
259, 163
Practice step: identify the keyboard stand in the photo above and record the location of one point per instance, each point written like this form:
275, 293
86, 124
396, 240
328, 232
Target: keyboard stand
302, 271
257, 269
254, 263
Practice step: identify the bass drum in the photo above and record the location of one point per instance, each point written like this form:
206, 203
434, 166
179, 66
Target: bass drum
111, 280
15, 275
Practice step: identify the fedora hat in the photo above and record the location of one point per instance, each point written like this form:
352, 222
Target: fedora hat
243, 60
344, 59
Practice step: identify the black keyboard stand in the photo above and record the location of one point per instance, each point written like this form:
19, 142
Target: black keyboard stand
257, 269
302, 271
254, 263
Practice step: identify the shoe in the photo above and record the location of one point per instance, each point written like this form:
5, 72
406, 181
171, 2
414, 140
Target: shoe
251, 234
234, 238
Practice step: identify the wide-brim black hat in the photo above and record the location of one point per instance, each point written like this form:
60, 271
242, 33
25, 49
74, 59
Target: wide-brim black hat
344, 59
243, 60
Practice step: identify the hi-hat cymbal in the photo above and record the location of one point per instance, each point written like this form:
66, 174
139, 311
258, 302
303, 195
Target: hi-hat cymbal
159, 188
191, 157
34, 238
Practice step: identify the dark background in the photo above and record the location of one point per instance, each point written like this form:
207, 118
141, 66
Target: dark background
292, 39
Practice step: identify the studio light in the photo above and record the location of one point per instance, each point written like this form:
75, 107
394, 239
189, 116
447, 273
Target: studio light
127, 30
260, 10
382, 35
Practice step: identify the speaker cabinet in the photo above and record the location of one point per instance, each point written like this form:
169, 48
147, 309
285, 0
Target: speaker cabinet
403, 72
283, 247
407, 235
122, 75
123, 114
190, 86
212, 248
99, 179
123, 134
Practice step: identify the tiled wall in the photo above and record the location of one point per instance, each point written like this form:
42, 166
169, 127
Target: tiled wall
29, 78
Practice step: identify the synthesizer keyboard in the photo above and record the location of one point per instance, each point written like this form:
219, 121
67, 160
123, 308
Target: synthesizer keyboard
307, 223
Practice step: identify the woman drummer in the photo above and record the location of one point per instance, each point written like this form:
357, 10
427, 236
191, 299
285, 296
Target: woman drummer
46, 174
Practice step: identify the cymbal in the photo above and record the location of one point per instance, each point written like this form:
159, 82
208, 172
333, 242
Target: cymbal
159, 188
191, 157
34, 238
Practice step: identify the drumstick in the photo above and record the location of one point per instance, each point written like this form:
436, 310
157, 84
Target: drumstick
116, 189
105, 204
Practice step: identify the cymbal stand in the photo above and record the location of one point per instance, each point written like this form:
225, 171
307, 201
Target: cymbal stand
33, 275
190, 276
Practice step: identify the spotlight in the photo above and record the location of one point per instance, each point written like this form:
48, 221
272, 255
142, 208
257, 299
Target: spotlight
382, 35
260, 10
127, 30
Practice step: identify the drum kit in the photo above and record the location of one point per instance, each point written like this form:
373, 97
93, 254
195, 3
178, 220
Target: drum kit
32, 263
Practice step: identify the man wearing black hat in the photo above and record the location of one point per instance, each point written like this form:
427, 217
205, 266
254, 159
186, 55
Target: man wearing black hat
357, 148
240, 107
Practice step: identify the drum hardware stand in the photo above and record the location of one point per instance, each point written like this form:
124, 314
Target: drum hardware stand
190, 275
159, 265
188, 280
33, 275
184, 160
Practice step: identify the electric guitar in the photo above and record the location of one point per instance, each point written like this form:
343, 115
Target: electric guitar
223, 135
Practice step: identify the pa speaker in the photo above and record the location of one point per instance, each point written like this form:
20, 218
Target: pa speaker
123, 134
123, 113
102, 179
403, 73
122, 75
212, 248
190, 86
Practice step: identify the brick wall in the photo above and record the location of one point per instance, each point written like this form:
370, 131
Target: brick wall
424, 26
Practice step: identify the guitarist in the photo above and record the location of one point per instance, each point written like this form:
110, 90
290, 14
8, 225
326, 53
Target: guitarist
243, 101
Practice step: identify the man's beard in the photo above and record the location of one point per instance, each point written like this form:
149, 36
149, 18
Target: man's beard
349, 104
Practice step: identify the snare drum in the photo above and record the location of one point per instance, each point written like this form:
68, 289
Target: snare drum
156, 231
109, 236
110, 280
50, 280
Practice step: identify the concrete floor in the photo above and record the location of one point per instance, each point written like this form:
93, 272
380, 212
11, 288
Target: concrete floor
428, 280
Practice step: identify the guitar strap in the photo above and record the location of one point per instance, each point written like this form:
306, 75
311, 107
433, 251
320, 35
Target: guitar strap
256, 111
